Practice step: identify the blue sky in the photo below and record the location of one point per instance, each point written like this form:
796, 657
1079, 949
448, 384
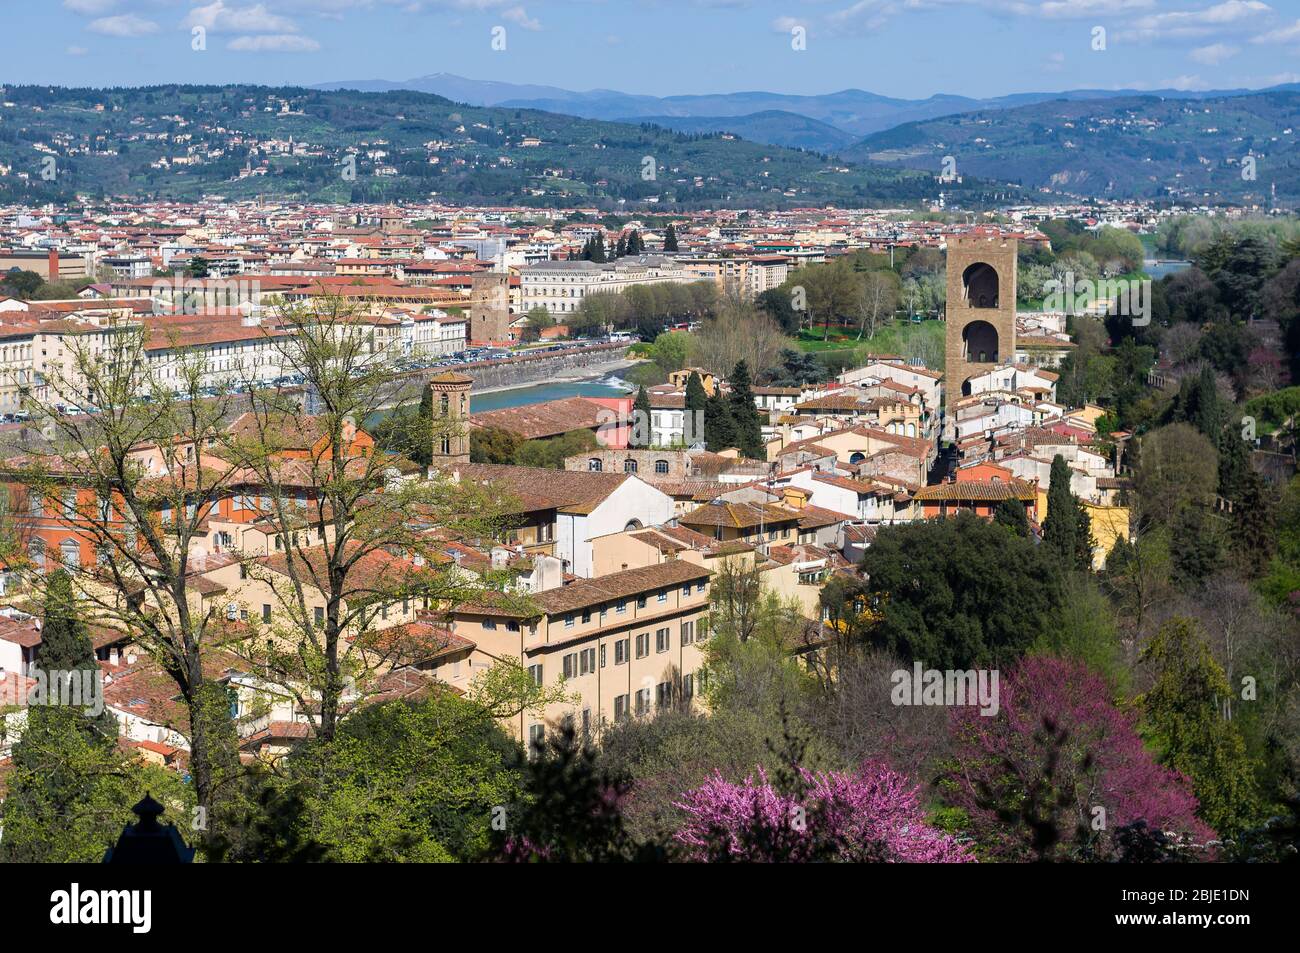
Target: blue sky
905, 48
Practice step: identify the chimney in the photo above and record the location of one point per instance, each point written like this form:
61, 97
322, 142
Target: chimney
53, 265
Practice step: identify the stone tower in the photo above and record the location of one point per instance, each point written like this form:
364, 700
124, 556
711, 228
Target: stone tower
489, 307
981, 332
449, 393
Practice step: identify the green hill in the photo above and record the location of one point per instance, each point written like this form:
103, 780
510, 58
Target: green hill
1137, 146
338, 146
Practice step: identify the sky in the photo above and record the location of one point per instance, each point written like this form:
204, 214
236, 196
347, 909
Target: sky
905, 48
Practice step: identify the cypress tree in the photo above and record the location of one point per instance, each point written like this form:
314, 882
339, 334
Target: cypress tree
1060, 529
641, 433
744, 413
719, 428
670, 238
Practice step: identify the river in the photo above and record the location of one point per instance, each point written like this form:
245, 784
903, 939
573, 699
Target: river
607, 386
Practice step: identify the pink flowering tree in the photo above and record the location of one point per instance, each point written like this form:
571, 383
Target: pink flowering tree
871, 815
1061, 773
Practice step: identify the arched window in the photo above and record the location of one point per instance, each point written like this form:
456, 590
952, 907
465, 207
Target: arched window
629, 466
661, 466
979, 284
594, 465
857, 457
980, 342
631, 525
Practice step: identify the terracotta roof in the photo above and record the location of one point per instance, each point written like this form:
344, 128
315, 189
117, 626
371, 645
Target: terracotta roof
619, 585
978, 490
548, 419
738, 515
574, 491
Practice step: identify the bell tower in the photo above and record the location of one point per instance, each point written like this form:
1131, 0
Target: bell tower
448, 397
981, 310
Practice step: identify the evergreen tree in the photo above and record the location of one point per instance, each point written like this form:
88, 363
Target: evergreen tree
1184, 718
1254, 529
71, 787
65, 643
696, 407
1061, 528
744, 414
1011, 514
719, 428
1193, 548
620, 250
641, 435
670, 238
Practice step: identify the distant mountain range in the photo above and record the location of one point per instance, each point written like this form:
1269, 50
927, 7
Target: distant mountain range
853, 111
1235, 147
242, 141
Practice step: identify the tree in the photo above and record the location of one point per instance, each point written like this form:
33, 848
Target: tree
339, 542
71, 787
744, 414
139, 581
1011, 514
1194, 548
1061, 528
738, 332
670, 238
959, 593
492, 445
669, 351
877, 302
21, 284
198, 267
1059, 768
719, 428
869, 815
641, 416
405, 781
569, 810
1183, 714
538, 320
1177, 466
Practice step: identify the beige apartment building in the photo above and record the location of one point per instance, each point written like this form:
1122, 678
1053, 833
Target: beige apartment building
560, 286
619, 645
747, 277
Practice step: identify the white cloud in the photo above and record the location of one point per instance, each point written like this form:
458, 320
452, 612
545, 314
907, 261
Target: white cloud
216, 17
125, 25
76, 51
867, 14
1236, 14
1214, 54
1285, 34
274, 43
90, 7
519, 16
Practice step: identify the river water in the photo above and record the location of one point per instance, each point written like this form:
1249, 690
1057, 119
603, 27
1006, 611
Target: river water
536, 393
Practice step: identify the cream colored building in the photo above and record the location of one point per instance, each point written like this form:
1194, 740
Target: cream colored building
560, 286
620, 645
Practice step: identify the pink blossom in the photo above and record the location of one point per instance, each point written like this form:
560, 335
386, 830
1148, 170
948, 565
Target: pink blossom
868, 815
